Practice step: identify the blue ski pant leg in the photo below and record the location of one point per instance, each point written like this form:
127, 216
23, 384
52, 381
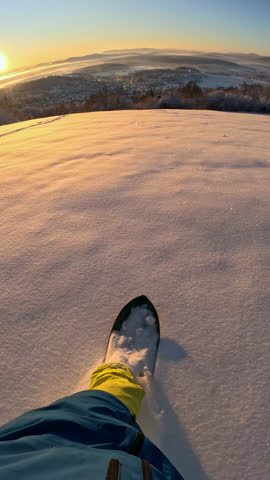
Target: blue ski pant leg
90, 434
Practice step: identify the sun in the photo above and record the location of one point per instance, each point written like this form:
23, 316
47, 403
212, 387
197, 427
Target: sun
2, 63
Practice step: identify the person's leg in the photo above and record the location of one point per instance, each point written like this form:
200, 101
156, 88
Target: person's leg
118, 380
92, 427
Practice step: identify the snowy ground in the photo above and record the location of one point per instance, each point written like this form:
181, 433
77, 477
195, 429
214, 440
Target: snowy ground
225, 81
98, 208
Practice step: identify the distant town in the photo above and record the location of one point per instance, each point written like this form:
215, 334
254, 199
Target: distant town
138, 81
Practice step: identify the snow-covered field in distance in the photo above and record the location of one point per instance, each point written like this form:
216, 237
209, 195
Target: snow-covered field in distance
100, 207
225, 81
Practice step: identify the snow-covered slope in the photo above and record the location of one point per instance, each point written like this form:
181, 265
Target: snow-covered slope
98, 208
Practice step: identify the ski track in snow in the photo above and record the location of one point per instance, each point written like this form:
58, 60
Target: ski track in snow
102, 207
45, 122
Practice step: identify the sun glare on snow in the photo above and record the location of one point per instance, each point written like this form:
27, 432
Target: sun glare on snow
2, 63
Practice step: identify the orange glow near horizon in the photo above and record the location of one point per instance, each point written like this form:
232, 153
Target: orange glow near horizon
20, 59
2, 63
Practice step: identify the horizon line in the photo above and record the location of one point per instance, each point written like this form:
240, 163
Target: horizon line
110, 52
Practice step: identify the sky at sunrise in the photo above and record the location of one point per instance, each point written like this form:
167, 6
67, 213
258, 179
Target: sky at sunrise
35, 31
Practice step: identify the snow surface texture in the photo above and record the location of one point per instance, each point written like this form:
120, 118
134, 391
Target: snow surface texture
99, 208
135, 343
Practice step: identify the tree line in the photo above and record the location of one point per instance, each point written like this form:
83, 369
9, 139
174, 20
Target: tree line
246, 98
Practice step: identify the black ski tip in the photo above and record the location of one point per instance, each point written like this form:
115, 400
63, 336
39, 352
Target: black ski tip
124, 314
136, 302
